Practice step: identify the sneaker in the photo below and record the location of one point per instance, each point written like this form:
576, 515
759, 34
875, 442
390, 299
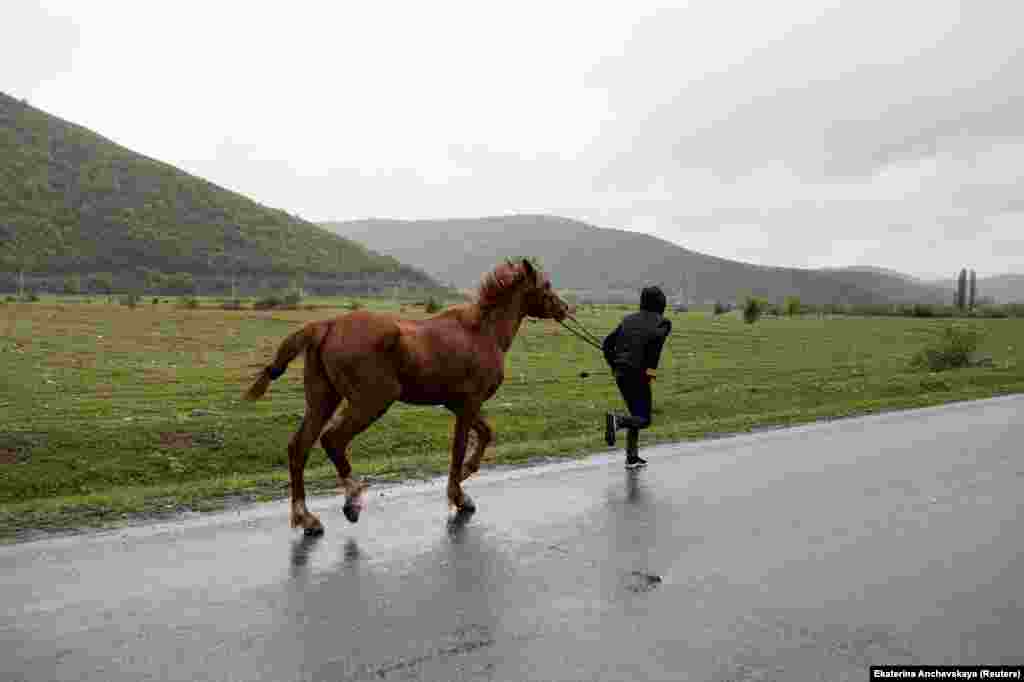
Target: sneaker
610, 427
635, 462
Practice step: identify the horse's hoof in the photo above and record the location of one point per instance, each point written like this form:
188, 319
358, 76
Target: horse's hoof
351, 512
314, 531
468, 506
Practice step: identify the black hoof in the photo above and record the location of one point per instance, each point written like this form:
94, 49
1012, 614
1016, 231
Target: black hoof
468, 506
313, 532
351, 512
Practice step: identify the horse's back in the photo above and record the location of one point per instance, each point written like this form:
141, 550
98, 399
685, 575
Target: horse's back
362, 332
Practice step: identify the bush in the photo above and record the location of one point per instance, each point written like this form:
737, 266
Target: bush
991, 311
721, 308
267, 302
190, 302
951, 350
130, 300
155, 301
354, 305
792, 305
292, 299
753, 308
432, 306
922, 310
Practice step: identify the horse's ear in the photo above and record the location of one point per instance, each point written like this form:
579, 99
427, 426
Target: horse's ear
528, 268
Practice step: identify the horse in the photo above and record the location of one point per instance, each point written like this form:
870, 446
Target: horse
370, 360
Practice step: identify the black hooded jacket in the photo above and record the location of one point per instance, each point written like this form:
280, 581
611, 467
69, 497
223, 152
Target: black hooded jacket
637, 342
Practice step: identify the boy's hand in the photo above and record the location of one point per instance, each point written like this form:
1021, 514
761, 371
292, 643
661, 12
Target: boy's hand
651, 375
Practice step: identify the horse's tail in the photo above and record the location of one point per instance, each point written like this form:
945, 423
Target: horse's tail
293, 345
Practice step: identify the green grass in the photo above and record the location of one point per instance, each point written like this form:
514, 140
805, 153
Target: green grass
107, 411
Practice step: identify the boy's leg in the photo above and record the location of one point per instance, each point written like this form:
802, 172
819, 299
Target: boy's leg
640, 409
636, 392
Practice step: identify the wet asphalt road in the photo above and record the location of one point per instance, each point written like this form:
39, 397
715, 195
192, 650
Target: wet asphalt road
804, 554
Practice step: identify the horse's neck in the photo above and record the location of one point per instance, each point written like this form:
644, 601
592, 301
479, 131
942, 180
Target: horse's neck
503, 323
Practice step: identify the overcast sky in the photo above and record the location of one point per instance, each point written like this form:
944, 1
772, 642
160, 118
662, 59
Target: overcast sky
806, 134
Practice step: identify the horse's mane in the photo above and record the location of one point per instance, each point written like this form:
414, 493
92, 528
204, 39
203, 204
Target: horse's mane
495, 284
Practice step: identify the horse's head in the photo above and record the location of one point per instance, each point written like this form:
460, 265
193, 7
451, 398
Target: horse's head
539, 298
520, 279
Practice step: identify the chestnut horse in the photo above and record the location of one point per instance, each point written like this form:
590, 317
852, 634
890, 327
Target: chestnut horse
370, 360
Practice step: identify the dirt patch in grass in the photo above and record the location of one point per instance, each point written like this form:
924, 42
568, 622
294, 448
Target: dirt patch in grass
178, 441
16, 448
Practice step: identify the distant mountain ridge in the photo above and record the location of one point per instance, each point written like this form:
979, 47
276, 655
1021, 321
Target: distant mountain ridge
72, 201
609, 262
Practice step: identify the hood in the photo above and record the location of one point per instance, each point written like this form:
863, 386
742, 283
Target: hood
652, 299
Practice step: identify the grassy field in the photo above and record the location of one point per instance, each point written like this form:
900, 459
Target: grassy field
107, 411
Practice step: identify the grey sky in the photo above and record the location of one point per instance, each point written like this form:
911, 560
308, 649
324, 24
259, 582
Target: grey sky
807, 134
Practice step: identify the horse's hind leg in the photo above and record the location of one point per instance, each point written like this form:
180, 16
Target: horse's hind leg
321, 402
356, 418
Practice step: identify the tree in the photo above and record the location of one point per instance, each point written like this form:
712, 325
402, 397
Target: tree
21, 258
73, 284
961, 290
101, 282
155, 280
974, 289
181, 283
229, 266
753, 307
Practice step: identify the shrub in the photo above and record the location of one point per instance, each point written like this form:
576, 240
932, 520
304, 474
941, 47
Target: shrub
792, 305
130, 300
753, 308
922, 310
354, 305
992, 311
73, 284
155, 301
292, 299
951, 350
267, 302
721, 308
190, 302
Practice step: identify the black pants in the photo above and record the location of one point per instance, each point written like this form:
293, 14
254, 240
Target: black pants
636, 391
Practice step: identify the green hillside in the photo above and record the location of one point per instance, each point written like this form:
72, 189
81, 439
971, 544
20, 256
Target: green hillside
612, 264
72, 201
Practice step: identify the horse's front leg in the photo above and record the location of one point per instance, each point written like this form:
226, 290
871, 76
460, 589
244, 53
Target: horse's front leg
484, 436
461, 501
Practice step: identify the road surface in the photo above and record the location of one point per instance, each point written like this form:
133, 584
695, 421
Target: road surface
799, 554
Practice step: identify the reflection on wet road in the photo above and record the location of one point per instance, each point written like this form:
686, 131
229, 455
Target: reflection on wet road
802, 554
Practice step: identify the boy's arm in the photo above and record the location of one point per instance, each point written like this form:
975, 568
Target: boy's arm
655, 345
608, 347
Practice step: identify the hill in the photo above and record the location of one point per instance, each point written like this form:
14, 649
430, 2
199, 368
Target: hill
893, 285
611, 263
1003, 288
73, 202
